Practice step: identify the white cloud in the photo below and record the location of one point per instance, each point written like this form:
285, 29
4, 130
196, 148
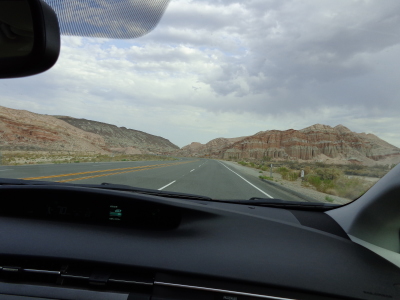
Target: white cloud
223, 68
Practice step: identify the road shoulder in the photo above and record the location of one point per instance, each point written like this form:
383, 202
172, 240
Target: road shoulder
291, 187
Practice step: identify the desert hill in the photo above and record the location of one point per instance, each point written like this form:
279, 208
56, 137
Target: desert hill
315, 143
121, 139
213, 147
24, 130
27, 131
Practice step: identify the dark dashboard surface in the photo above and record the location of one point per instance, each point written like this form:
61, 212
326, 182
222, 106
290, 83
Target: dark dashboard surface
192, 244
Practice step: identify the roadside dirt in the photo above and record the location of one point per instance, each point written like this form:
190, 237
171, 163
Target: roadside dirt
292, 185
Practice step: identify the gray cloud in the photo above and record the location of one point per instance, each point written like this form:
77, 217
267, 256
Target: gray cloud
298, 55
223, 68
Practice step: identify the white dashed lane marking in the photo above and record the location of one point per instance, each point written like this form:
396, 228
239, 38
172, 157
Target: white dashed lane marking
166, 185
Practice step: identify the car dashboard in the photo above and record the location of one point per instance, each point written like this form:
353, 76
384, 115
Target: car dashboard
62, 242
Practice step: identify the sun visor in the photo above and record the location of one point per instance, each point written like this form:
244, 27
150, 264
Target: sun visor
116, 19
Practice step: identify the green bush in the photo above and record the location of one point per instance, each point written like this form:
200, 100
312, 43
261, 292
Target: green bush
288, 174
329, 199
321, 185
329, 173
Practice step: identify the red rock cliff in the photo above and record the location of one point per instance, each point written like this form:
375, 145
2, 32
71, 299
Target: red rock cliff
310, 143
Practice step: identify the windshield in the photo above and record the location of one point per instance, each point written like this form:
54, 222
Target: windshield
294, 100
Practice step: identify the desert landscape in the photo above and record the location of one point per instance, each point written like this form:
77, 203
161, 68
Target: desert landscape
333, 160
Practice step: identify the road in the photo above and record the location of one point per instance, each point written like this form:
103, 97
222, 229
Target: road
206, 177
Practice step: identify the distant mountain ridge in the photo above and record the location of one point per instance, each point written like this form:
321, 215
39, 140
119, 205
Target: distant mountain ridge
121, 139
24, 130
213, 146
314, 143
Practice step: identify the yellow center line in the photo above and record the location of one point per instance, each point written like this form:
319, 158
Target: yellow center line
98, 171
110, 174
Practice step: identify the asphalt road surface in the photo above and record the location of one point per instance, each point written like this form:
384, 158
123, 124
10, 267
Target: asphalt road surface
205, 177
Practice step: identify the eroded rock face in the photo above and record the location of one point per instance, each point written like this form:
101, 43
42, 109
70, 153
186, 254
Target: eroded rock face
24, 130
128, 141
317, 142
311, 143
212, 148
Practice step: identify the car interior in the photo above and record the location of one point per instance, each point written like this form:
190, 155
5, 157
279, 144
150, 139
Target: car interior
82, 241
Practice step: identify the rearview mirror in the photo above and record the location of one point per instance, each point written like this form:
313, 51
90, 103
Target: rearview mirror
29, 38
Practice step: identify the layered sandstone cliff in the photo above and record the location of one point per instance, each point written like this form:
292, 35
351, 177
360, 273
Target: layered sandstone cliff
211, 148
315, 143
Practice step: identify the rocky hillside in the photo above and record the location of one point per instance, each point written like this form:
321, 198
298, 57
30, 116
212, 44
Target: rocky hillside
212, 148
315, 143
121, 139
24, 130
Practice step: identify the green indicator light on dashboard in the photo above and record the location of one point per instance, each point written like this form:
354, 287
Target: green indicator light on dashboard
115, 214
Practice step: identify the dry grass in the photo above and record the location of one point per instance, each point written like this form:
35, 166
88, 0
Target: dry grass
43, 157
328, 179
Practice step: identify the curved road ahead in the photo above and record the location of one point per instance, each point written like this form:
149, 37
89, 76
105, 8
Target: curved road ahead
207, 177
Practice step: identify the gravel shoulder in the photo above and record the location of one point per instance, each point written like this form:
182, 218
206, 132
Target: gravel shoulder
294, 186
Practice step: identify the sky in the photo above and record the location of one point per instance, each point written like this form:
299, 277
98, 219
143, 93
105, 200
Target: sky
226, 68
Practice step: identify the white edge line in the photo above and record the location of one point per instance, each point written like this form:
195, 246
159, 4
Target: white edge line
6, 170
247, 181
166, 185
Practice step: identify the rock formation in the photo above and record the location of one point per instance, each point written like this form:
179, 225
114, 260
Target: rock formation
121, 139
24, 130
212, 148
317, 143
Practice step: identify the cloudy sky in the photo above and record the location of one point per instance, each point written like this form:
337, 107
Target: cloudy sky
226, 68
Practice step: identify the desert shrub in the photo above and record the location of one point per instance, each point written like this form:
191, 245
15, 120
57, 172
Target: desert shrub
281, 170
329, 199
321, 185
329, 173
351, 188
291, 175
288, 174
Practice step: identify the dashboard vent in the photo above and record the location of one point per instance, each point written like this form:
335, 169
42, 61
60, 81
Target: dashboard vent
76, 274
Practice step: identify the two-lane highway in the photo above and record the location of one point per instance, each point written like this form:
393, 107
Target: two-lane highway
212, 178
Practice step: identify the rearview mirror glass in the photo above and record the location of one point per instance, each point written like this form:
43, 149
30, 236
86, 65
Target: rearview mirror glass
29, 38
16, 28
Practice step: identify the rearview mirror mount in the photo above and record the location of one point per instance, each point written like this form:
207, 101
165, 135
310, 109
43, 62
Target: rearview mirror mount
29, 38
